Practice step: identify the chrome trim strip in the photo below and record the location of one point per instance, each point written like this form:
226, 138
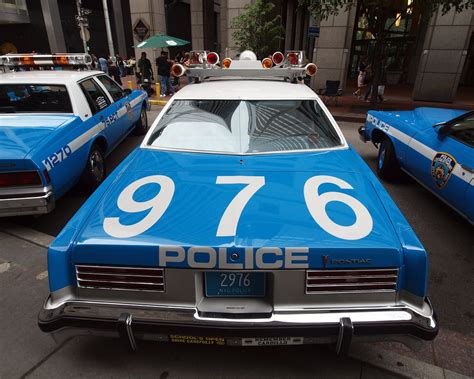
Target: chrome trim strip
120, 267
119, 282
120, 274
328, 271
362, 277
351, 284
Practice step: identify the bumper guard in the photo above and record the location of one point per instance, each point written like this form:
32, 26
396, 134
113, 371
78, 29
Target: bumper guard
184, 324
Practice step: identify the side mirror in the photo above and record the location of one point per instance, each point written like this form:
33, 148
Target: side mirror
127, 91
443, 130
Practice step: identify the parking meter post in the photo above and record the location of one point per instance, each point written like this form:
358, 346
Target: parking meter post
157, 89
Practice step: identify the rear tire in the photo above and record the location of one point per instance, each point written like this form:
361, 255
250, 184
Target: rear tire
387, 164
95, 171
141, 127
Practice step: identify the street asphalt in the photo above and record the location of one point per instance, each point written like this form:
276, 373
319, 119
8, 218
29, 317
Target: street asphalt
25, 351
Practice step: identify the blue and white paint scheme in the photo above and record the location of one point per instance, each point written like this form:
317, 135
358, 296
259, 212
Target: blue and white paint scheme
211, 190
435, 146
57, 146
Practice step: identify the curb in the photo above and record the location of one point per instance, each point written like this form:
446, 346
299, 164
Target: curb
350, 117
363, 352
158, 102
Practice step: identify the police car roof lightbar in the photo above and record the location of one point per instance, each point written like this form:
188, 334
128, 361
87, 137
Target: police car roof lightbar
203, 65
32, 60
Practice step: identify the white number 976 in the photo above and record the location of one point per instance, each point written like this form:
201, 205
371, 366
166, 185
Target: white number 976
315, 202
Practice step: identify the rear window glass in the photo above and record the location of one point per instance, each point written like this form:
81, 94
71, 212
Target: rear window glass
34, 98
244, 126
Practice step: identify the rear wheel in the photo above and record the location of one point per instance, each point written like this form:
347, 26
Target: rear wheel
387, 164
95, 171
141, 126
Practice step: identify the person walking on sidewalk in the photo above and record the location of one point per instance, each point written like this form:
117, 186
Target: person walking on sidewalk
361, 78
163, 65
103, 64
144, 67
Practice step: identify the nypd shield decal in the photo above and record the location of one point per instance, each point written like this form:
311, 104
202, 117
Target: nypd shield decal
442, 167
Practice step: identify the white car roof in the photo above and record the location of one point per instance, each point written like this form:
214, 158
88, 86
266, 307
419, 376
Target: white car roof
46, 76
258, 89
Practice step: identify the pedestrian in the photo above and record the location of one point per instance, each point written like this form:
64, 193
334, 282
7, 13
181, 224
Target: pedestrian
103, 64
144, 68
368, 83
95, 62
114, 72
163, 63
361, 78
186, 65
131, 63
120, 65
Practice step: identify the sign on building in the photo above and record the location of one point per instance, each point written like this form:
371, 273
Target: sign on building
313, 28
141, 30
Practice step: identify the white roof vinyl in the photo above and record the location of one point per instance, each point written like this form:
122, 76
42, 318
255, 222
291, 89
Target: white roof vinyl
256, 89
46, 76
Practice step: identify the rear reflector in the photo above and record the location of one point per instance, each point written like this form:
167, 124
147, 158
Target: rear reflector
18, 179
121, 278
334, 281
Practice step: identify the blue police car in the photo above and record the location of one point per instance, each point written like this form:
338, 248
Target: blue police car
56, 128
243, 219
434, 146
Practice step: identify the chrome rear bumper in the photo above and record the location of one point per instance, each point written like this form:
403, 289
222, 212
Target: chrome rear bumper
26, 201
186, 324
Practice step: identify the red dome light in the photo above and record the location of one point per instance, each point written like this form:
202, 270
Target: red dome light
278, 58
212, 58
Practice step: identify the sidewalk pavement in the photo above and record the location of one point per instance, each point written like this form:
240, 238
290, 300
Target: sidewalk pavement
26, 352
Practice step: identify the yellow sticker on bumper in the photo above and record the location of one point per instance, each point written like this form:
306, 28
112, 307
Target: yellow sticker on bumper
200, 340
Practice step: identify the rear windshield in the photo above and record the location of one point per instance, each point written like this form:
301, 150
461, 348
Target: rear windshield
34, 98
244, 126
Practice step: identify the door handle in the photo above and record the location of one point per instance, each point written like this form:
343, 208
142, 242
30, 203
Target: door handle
467, 168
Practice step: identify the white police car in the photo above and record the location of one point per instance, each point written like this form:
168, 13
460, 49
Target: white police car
56, 128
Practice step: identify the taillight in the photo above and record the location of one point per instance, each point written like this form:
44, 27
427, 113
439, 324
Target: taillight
17, 179
121, 278
212, 58
362, 280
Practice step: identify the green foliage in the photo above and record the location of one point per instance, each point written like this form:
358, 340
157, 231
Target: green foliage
258, 29
325, 8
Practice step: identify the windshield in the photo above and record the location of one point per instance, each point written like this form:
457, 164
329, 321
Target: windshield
34, 98
244, 126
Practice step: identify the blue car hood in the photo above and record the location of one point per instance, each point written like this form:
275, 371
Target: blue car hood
19, 134
276, 215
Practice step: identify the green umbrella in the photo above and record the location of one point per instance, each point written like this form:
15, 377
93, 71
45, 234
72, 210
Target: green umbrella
161, 40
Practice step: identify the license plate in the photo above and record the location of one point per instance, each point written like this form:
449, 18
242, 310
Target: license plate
235, 284
272, 341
